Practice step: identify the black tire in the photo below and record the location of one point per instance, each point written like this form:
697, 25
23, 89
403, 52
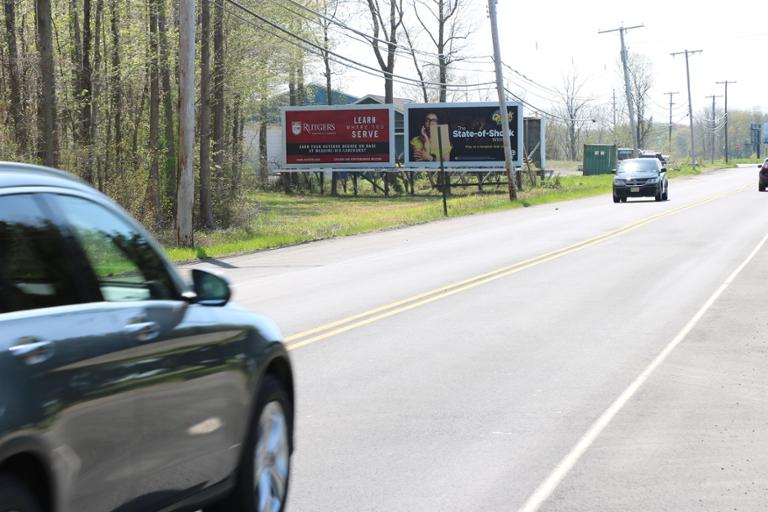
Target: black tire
623, 199
615, 199
15, 496
665, 195
244, 498
761, 188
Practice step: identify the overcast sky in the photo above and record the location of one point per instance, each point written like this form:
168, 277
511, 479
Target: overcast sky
544, 39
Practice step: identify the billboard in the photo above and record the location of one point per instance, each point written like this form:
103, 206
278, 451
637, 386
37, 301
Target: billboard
474, 130
345, 136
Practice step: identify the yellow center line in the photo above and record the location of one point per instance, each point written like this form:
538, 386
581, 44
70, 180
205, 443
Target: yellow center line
373, 315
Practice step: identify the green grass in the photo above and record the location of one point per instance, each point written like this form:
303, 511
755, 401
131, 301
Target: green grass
274, 219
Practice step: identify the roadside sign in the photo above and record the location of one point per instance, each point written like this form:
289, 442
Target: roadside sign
475, 137
351, 136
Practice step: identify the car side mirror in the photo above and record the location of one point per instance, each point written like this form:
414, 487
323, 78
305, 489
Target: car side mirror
759, 166
210, 289
663, 169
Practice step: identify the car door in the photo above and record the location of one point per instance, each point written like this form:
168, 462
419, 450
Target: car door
191, 410
67, 385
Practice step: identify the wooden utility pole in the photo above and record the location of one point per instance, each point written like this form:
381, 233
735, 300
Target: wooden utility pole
670, 119
726, 82
627, 86
186, 181
690, 104
502, 102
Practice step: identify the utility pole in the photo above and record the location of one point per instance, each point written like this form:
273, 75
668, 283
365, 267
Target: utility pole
185, 195
726, 82
670, 119
690, 105
630, 103
714, 124
502, 102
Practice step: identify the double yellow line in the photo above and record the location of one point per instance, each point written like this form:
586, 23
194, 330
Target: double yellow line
304, 338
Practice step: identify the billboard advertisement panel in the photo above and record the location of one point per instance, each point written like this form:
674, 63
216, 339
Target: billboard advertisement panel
345, 136
474, 130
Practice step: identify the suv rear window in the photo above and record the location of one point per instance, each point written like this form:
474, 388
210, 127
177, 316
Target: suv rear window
33, 271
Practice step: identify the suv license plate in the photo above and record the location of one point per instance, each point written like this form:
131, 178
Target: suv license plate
634, 189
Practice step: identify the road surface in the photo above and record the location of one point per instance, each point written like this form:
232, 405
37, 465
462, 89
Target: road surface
581, 356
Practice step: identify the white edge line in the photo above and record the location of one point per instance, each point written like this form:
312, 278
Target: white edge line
548, 486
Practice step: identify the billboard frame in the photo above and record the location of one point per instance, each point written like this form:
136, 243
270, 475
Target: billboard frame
345, 165
517, 162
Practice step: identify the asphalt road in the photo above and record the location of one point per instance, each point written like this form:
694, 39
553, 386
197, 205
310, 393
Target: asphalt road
583, 356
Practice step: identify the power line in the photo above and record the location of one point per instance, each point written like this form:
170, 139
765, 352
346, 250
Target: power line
351, 62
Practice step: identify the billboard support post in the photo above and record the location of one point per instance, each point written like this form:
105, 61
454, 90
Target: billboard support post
502, 100
443, 132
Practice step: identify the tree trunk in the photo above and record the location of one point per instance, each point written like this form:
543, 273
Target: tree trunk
48, 143
235, 143
84, 92
95, 83
116, 86
170, 138
263, 161
153, 185
15, 100
218, 98
206, 213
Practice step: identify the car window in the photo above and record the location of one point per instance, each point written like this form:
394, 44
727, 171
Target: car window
641, 165
33, 269
125, 264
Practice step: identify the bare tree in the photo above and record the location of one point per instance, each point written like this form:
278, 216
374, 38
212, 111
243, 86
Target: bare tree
48, 144
641, 82
416, 63
387, 44
574, 111
15, 101
442, 22
206, 213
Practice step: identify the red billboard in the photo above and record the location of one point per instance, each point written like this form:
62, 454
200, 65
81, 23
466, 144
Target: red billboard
339, 136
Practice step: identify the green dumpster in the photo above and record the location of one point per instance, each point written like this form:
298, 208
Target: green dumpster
599, 159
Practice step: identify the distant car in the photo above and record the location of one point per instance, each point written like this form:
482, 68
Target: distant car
121, 386
763, 176
640, 177
655, 154
624, 153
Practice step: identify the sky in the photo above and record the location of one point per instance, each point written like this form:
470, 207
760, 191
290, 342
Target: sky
545, 39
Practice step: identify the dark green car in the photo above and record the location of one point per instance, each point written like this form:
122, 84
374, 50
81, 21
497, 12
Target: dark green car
122, 387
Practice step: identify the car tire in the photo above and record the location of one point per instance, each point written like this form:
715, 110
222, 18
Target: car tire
665, 195
616, 198
761, 188
15, 496
268, 446
623, 199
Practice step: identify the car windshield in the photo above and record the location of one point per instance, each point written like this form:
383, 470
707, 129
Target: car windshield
633, 166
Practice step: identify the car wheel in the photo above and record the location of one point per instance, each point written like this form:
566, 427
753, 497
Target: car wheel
665, 195
615, 198
761, 188
623, 199
264, 472
15, 496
